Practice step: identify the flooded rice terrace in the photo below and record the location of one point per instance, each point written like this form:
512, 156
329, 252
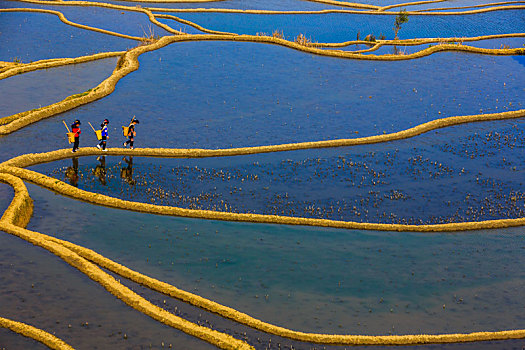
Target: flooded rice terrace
433, 135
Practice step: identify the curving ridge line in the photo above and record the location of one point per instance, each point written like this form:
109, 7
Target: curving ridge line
37, 158
8, 224
111, 202
247, 320
129, 63
348, 54
422, 41
221, 340
317, 12
14, 166
439, 338
57, 62
7, 65
384, 8
155, 21
83, 259
174, 1
39, 335
63, 18
372, 11
10, 69
194, 25
473, 6
328, 2
310, 48
20, 209
346, 4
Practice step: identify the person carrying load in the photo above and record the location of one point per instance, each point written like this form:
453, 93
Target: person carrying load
130, 132
104, 133
125, 129
75, 129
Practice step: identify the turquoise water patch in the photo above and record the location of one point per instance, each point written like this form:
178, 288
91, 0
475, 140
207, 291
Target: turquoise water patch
222, 94
311, 279
40, 289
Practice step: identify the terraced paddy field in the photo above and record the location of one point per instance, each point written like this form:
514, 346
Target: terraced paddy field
292, 185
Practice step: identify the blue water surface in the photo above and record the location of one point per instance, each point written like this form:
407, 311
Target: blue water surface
36, 36
120, 21
477, 174
40, 289
340, 27
44, 87
312, 279
276, 95
223, 94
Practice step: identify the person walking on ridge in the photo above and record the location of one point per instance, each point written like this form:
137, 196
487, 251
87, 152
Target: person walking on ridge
104, 129
75, 128
131, 133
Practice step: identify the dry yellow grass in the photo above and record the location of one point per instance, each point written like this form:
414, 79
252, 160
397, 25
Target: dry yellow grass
17, 216
88, 262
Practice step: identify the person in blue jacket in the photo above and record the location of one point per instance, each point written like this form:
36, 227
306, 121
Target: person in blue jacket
104, 128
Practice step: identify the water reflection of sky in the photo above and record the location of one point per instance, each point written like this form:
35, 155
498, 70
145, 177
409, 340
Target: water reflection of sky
220, 94
37, 36
312, 278
473, 177
25, 92
253, 94
40, 289
340, 27
520, 59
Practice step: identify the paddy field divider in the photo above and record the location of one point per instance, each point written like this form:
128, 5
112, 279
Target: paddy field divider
88, 262
39, 335
8, 224
13, 172
128, 63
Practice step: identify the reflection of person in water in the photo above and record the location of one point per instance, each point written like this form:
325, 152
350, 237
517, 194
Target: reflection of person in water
72, 173
100, 170
127, 172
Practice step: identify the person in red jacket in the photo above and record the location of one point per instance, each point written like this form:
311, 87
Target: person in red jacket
75, 128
